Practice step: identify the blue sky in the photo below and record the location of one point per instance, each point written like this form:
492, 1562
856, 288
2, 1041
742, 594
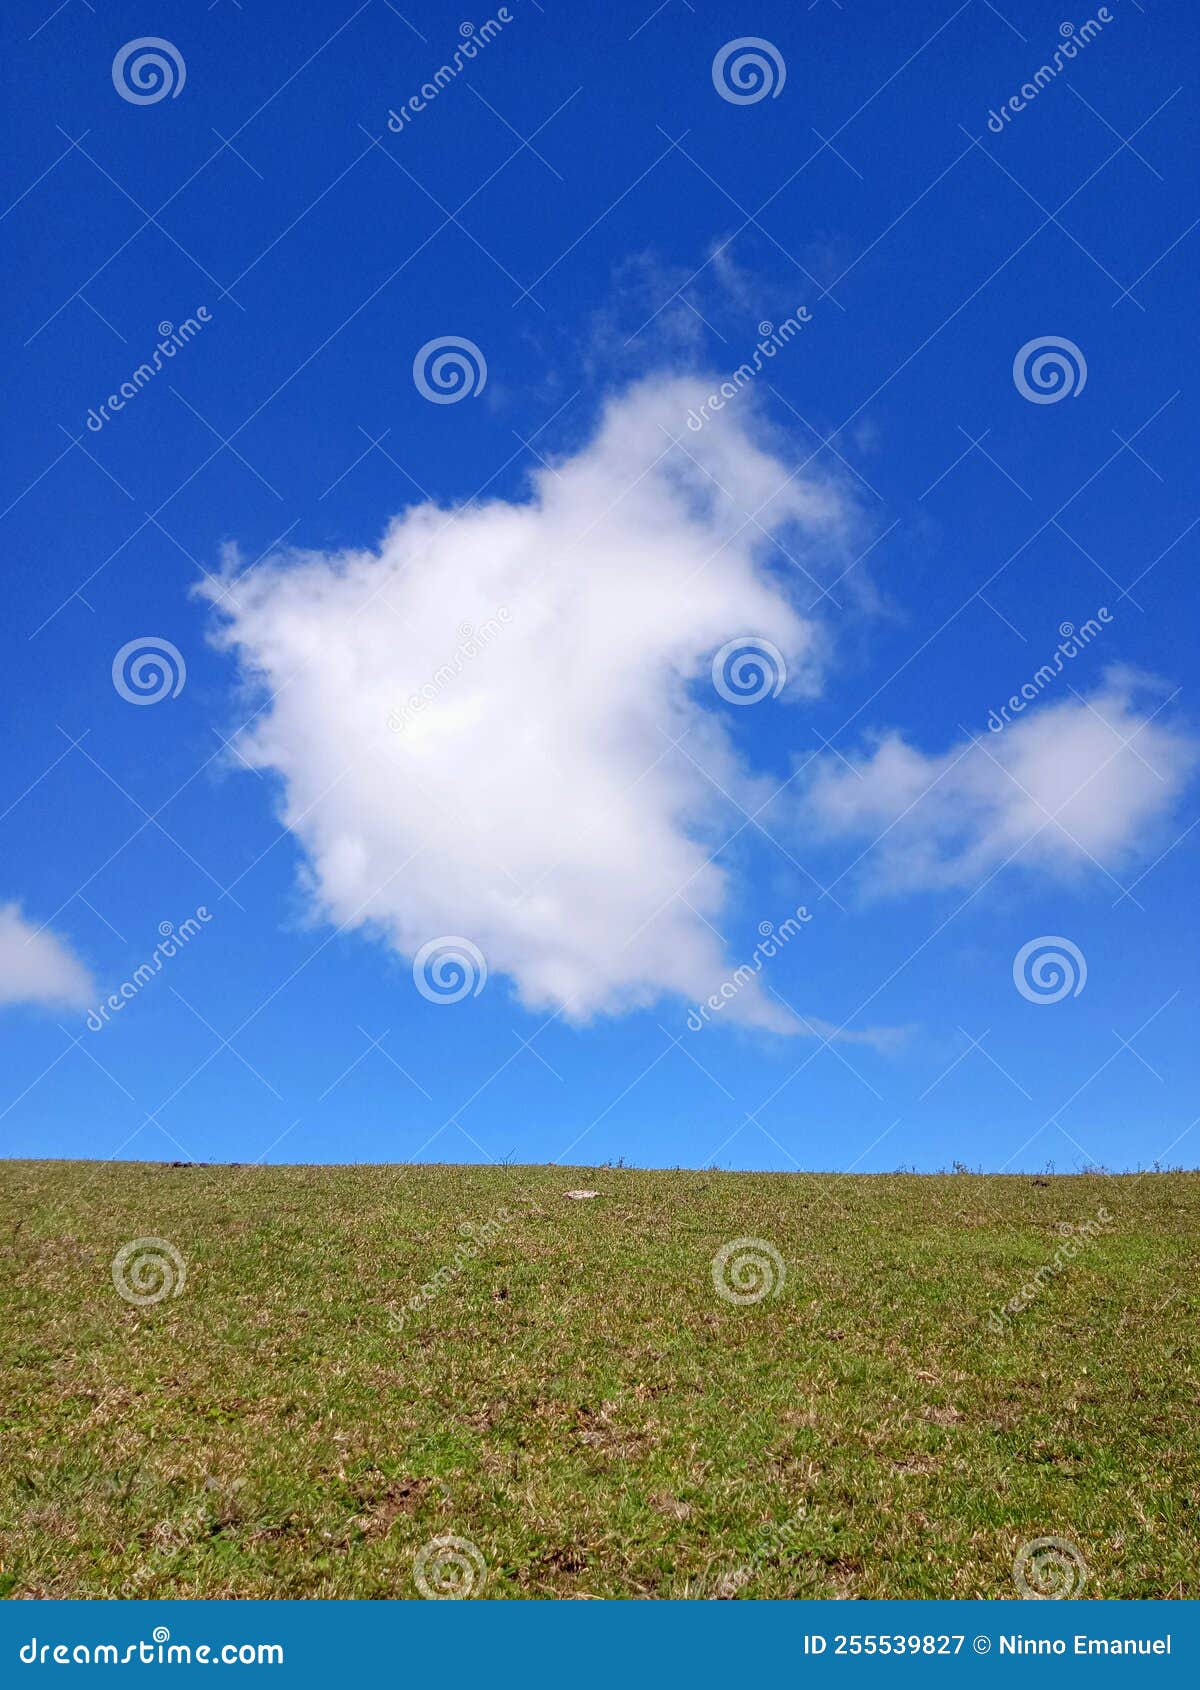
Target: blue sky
584, 207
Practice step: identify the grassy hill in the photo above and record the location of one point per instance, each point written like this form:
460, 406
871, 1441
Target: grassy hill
572, 1395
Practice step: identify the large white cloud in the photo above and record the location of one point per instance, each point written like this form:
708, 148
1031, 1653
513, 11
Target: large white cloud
535, 660
1080, 785
37, 967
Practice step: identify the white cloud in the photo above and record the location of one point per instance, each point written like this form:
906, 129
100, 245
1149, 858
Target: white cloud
531, 801
1077, 785
37, 967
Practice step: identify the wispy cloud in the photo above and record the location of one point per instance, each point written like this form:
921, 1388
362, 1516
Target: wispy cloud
37, 967
1077, 786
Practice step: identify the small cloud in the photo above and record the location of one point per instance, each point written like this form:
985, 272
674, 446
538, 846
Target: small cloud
1084, 784
37, 967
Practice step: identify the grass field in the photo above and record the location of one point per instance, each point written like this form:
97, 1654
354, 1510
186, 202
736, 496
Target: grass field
577, 1400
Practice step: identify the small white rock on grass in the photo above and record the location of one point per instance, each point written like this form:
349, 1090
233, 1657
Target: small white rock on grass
578, 1196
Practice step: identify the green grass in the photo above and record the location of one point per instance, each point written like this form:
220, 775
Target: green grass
579, 1402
